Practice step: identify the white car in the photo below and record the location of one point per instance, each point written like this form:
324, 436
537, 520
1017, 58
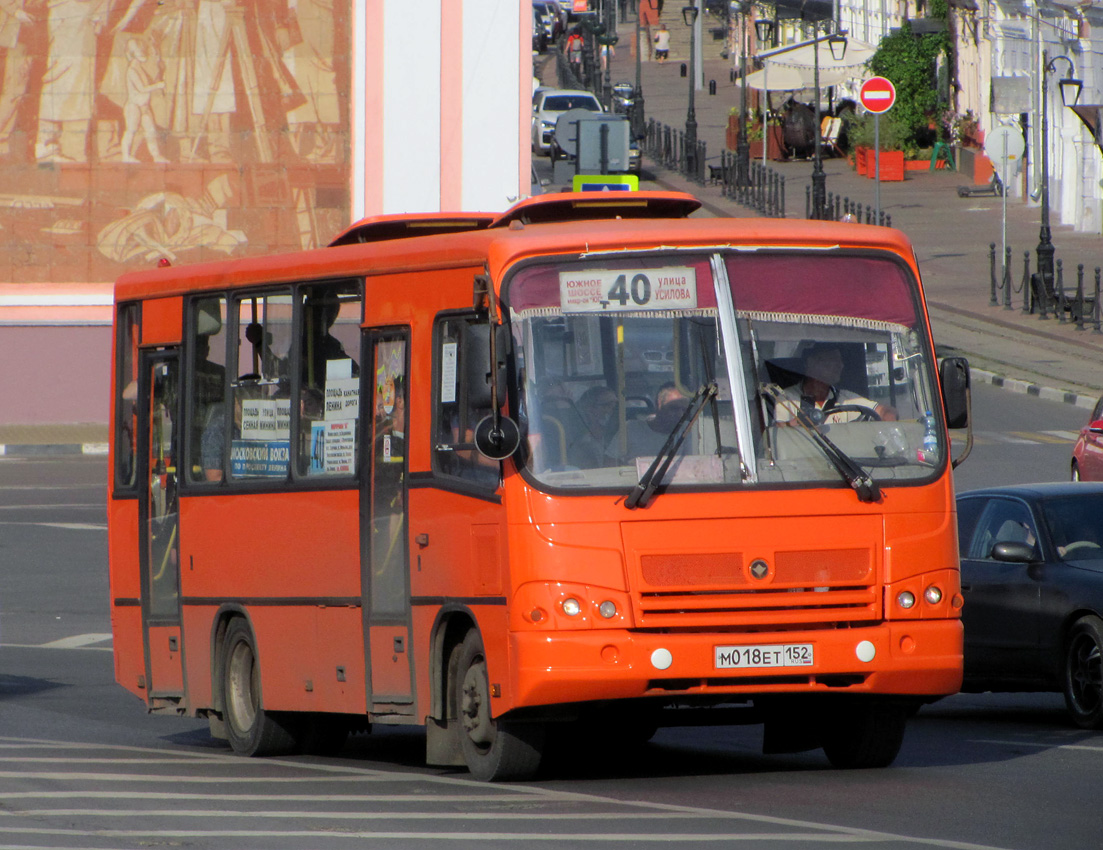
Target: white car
548, 105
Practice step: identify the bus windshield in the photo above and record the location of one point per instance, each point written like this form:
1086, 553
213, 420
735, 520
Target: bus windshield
741, 368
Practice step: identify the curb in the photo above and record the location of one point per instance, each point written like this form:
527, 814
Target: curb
1026, 388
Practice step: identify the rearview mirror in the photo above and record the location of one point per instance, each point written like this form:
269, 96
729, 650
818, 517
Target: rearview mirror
1015, 553
953, 374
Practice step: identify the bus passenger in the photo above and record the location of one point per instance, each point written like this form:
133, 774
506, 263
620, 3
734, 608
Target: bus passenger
598, 409
818, 394
319, 344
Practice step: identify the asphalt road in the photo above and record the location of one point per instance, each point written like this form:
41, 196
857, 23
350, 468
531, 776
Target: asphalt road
83, 766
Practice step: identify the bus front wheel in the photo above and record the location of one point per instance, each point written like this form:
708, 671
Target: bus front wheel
494, 750
864, 735
251, 730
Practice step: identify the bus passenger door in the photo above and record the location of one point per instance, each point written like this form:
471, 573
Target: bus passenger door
384, 558
159, 544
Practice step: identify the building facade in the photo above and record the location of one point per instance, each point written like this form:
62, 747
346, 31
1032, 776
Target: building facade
136, 131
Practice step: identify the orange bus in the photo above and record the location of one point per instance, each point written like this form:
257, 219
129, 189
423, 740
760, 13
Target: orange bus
589, 465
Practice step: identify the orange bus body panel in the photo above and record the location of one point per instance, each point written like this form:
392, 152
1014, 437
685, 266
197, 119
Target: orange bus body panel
162, 321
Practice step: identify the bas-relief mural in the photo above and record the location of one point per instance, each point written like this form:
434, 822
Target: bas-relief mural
132, 130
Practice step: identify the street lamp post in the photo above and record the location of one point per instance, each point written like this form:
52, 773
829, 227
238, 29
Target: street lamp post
1069, 87
689, 15
837, 43
743, 146
637, 118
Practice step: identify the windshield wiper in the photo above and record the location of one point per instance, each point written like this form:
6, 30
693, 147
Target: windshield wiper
645, 488
854, 475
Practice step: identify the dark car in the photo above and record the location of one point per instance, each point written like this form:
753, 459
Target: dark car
1087, 454
1032, 578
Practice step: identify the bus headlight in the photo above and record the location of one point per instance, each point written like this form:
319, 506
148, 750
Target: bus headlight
607, 609
571, 607
933, 594
905, 599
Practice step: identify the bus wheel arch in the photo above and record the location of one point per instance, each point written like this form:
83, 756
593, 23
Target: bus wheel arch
250, 728
494, 749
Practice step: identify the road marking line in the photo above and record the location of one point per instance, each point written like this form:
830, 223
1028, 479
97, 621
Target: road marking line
1071, 436
1040, 746
833, 832
1038, 436
44, 646
77, 641
559, 837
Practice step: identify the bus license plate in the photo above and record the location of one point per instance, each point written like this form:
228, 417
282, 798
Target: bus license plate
764, 655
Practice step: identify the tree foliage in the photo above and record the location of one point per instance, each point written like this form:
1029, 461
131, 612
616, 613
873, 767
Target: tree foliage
911, 63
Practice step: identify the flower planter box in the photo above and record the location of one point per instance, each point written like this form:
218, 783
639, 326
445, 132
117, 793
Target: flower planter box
861, 154
923, 165
891, 164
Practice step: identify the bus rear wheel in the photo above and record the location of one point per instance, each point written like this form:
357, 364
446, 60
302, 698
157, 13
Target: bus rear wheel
494, 750
864, 736
250, 729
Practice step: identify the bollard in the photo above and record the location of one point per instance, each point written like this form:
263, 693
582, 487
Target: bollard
1080, 296
807, 201
1061, 293
712, 86
1007, 280
1095, 306
1028, 292
993, 301
685, 70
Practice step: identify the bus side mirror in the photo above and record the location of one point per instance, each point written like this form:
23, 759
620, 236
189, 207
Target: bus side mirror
476, 364
953, 374
957, 400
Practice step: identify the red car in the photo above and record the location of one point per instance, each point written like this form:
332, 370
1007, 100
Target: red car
1087, 454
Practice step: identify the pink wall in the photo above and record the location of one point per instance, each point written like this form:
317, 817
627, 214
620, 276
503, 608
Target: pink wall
54, 374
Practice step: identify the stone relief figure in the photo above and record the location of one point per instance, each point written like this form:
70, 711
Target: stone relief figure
166, 223
137, 113
22, 37
67, 99
314, 125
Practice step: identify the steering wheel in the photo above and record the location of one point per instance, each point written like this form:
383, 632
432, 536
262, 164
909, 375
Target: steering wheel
1080, 544
867, 414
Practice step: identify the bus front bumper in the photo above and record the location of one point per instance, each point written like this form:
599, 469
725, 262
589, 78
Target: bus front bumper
914, 658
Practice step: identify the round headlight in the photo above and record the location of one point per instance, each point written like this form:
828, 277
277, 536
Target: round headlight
905, 599
571, 607
933, 595
607, 609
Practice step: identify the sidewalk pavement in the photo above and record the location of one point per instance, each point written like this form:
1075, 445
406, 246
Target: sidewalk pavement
951, 236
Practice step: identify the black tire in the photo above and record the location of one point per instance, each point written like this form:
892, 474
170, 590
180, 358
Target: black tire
250, 729
494, 750
1083, 673
864, 736
1075, 476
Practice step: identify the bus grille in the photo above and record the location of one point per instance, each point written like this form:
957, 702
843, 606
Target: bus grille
785, 588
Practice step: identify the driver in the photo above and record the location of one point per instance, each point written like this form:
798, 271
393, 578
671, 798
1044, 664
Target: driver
819, 395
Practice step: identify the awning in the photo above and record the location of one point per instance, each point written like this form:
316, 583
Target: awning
793, 67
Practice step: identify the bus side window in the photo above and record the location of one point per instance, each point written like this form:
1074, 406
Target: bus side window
126, 401
455, 414
206, 401
260, 436
329, 390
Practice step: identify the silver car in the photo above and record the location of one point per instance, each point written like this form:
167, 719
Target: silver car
548, 105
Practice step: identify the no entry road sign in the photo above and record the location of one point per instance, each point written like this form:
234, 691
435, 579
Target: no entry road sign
877, 95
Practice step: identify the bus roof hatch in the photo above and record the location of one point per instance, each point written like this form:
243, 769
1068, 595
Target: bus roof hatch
587, 206
381, 228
